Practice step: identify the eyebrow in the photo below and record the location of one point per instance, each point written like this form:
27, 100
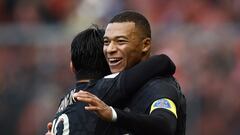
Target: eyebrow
124, 37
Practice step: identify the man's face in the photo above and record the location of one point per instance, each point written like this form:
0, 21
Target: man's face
122, 46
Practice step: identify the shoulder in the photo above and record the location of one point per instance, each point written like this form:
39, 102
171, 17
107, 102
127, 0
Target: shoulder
157, 81
106, 84
107, 80
166, 86
158, 88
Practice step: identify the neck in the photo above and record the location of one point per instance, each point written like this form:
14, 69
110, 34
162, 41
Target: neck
145, 57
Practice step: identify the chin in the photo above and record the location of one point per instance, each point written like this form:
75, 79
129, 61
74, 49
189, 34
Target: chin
115, 70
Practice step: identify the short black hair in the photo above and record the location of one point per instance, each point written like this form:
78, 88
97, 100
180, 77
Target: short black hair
140, 21
87, 54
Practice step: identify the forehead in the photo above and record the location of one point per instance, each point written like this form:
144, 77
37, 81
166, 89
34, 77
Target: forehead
119, 29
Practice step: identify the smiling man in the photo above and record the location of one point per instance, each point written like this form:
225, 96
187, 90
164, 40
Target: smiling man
159, 107
89, 65
122, 46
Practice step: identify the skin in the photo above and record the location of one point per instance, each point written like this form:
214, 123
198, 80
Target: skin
49, 127
124, 45
95, 104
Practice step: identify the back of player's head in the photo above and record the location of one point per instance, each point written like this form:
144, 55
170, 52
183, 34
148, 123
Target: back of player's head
87, 55
140, 21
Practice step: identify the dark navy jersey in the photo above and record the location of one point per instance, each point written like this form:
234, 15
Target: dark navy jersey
67, 120
151, 111
157, 91
71, 117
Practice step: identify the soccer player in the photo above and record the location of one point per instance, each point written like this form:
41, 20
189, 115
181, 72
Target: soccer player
89, 65
159, 107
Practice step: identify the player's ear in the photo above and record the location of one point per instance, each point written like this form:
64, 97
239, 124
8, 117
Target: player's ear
72, 67
146, 46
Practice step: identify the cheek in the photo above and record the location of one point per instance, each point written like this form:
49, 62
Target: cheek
104, 48
105, 51
132, 57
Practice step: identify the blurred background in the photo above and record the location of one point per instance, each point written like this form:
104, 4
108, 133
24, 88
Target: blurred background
201, 36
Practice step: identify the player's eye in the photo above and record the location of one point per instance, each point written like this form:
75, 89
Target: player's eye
121, 41
106, 42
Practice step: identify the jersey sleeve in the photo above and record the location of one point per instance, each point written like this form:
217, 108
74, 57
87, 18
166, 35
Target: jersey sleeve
160, 116
133, 79
158, 122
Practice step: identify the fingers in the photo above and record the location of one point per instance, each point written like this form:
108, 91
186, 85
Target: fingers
104, 113
86, 97
49, 126
89, 100
95, 104
92, 108
83, 94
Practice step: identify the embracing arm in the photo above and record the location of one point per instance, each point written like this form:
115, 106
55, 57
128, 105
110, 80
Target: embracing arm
160, 117
159, 113
131, 80
134, 78
160, 121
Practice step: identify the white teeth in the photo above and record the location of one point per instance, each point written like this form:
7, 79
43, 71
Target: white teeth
114, 59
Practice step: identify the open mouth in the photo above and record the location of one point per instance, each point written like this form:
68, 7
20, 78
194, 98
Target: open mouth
114, 61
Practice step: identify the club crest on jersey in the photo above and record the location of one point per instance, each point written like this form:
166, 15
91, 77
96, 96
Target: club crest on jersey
164, 103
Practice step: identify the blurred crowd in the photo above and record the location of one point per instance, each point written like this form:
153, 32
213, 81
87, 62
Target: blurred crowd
201, 36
